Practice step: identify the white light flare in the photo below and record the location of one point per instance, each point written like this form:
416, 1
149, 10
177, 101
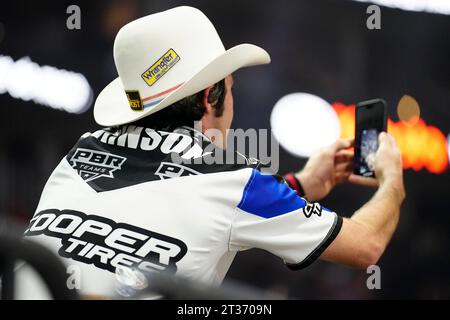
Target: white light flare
302, 123
45, 85
430, 6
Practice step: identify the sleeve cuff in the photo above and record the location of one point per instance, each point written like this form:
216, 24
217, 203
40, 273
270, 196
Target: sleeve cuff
317, 252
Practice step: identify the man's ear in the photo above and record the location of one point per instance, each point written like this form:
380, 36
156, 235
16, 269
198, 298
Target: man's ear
208, 106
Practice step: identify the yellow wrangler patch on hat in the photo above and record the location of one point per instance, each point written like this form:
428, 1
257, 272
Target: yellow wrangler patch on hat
160, 67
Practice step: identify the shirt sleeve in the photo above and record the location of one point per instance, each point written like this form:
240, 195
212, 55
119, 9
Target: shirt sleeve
271, 216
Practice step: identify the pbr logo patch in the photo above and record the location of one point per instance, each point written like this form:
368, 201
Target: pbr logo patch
134, 99
160, 67
91, 164
168, 170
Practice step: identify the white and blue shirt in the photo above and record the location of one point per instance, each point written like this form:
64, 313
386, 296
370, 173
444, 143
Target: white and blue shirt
119, 199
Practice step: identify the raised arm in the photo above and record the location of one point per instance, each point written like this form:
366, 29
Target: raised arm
364, 237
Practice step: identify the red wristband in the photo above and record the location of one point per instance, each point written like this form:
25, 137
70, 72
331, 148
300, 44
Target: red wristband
295, 184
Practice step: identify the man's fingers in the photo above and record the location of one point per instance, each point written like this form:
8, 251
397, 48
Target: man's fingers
342, 144
344, 167
342, 177
363, 181
343, 156
387, 138
351, 142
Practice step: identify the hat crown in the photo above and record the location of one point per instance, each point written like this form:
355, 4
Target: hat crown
159, 52
163, 58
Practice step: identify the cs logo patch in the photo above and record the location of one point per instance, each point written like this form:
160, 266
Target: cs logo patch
312, 208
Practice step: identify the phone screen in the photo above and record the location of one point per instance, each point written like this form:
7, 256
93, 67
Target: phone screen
370, 122
369, 147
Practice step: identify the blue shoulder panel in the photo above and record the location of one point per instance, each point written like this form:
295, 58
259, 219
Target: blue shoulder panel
266, 197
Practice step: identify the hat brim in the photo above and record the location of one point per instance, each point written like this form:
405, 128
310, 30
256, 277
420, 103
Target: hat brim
112, 107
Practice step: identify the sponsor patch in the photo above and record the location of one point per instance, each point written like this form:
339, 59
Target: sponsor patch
312, 208
91, 164
106, 244
160, 67
169, 170
134, 100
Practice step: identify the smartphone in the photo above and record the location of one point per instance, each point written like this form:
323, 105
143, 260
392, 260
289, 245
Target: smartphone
371, 120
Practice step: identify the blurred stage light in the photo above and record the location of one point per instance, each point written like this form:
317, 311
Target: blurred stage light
303, 123
408, 110
422, 146
45, 85
448, 146
431, 6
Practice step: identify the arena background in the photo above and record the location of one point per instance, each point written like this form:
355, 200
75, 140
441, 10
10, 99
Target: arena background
320, 47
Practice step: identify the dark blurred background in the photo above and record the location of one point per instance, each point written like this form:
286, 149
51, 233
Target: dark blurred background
320, 47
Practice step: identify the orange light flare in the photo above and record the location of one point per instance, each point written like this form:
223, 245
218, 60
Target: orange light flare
422, 146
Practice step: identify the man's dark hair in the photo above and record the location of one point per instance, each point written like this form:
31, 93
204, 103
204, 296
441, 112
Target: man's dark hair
185, 111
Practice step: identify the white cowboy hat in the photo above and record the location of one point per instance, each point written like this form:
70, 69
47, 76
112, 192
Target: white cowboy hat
163, 58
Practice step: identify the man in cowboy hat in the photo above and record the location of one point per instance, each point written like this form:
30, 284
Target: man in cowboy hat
134, 195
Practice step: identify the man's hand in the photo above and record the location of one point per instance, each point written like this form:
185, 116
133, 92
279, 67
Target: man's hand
326, 168
364, 237
334, 164
388, 160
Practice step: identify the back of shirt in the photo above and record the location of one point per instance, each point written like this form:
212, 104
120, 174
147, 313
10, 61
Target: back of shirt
119, 198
